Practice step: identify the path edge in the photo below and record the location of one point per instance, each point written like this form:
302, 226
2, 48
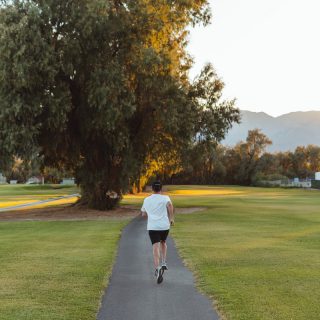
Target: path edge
104, 291
213, 300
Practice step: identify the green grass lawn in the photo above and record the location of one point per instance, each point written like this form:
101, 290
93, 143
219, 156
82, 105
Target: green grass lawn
255, 250
36, 190
55, 270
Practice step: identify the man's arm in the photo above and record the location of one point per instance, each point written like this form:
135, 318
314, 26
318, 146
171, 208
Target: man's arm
144, 211
170, 212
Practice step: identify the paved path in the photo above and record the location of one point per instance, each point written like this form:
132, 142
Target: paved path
133, 294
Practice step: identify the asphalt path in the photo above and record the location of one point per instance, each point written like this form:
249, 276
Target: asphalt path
133, 293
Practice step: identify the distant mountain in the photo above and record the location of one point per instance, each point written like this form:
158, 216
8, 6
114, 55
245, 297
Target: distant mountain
286, 132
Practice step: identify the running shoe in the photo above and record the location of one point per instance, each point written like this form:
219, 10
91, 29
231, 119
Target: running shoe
164, 266
158, 274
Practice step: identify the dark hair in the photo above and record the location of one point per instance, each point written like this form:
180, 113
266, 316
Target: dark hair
156, 186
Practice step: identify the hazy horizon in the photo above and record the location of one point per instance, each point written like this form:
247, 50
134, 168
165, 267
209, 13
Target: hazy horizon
276, 116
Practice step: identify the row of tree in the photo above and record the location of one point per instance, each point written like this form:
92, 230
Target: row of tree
205, 162
22, 170
246, 163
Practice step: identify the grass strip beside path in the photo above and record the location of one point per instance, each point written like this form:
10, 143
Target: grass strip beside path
55, 270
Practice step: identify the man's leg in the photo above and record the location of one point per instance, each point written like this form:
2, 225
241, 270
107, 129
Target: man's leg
156, 254
156, 260
163, 251
163, 237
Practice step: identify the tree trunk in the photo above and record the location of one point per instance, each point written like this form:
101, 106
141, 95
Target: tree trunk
99, 197
100, 183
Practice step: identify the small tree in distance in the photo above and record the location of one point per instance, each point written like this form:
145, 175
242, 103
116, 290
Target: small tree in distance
250, 153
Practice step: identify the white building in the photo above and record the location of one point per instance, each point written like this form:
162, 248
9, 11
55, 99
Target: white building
68, 181
3, 179
34, 180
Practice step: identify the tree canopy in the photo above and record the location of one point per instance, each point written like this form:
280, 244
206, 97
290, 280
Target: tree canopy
101, 88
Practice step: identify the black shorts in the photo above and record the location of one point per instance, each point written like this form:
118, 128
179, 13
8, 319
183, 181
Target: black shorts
158, 235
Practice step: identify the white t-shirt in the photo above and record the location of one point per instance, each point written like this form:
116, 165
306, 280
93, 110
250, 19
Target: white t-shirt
156, 208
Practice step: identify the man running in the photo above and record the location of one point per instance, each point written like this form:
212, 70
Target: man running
159, 210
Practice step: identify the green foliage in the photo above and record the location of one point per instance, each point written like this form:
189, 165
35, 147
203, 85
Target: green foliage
315, 184
247, 163
265, 180
271, 177
195, 158
55, 174
21, 170
250, 153
203, 164
301, 163
208, 162
101, 87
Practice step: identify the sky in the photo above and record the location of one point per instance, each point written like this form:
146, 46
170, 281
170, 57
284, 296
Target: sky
267, 53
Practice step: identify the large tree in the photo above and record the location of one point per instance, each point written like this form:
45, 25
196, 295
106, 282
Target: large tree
101, 87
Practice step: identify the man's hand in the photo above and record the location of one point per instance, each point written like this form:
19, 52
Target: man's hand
172, 222
144, 214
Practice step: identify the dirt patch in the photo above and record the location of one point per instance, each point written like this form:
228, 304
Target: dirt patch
68, 213
78, 213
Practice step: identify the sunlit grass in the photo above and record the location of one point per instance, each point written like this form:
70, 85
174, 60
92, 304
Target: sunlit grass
205, 192
4, 204
256, 250
42, 205
13, 195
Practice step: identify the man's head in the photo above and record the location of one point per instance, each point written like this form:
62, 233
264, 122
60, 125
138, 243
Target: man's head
156, 186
